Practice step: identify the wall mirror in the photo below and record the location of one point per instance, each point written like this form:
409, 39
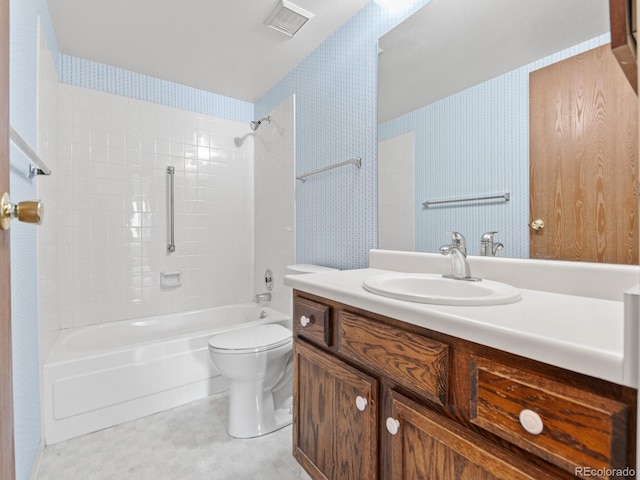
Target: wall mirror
454, 120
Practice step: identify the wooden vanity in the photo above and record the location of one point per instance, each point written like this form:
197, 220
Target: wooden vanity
379, 398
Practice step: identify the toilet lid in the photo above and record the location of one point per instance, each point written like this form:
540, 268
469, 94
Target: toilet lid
251, 339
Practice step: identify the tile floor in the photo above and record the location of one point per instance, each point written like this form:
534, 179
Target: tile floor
184, 443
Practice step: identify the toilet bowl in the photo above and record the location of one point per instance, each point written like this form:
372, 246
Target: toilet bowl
257, 361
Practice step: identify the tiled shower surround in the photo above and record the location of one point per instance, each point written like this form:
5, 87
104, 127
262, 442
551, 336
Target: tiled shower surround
274, 185
112, 186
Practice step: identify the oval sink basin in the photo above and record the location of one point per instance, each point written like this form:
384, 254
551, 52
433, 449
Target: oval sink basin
435, 289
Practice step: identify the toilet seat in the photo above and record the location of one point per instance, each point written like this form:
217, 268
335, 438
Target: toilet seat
254, 339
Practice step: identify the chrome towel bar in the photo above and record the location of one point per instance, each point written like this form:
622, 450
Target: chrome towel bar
39, 168
354, 161
506, 197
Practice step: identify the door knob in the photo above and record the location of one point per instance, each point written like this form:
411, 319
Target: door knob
30, 211
537, 224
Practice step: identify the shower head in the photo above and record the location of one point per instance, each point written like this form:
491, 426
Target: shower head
256, 123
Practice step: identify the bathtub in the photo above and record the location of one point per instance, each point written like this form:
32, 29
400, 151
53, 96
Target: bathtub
102, 375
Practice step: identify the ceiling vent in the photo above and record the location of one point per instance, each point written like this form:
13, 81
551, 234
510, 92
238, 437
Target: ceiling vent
287, 18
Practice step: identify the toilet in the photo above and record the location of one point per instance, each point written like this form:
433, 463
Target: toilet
258, 362
304, 268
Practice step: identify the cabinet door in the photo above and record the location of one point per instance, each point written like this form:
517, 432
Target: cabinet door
334, 417
426, 445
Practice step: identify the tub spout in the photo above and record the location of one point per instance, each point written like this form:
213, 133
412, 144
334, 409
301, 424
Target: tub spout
263, 297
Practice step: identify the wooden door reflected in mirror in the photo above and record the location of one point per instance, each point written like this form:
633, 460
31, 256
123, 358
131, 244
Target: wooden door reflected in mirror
583, 147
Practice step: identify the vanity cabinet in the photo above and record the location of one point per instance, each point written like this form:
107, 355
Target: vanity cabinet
378, 398
335, 417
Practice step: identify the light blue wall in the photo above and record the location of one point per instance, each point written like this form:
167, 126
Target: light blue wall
336, 110
476, 143
24, 295
97, 76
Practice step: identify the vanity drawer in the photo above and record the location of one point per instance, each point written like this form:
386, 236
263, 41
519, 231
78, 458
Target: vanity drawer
578, 428
395, 353
312, 321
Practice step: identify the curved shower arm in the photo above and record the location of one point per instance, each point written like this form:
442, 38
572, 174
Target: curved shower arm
256, 123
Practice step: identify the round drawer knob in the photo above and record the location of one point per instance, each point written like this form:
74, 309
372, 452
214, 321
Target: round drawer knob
531, 421
393, 425
304, 321
361, 403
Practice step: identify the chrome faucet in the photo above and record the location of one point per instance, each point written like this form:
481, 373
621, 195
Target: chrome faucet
263, 297
457, 250
488, 247
457, 240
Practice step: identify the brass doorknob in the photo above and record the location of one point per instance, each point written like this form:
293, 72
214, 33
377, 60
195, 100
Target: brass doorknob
537, 224
30, 211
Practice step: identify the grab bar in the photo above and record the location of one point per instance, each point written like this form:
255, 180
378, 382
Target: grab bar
171, 247
39, 168
506, 197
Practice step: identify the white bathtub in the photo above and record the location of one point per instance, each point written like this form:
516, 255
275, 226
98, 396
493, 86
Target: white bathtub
99, 376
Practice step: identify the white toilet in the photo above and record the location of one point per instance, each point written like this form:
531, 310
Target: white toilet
304, 268
258, 362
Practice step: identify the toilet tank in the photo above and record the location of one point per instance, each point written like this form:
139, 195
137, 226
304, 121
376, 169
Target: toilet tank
302, 268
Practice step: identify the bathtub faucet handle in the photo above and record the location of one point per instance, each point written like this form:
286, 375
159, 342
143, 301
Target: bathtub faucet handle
263, 297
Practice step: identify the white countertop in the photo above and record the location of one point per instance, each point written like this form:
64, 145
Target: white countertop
578, 333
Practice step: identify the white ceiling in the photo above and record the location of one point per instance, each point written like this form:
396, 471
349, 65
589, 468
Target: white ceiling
221, 46
451, 45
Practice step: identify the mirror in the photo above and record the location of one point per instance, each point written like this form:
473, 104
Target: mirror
453, 115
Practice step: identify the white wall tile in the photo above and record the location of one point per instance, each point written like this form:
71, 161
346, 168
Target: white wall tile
118, 149
49, 255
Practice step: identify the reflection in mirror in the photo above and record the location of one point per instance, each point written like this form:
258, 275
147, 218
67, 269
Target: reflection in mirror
453, 103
